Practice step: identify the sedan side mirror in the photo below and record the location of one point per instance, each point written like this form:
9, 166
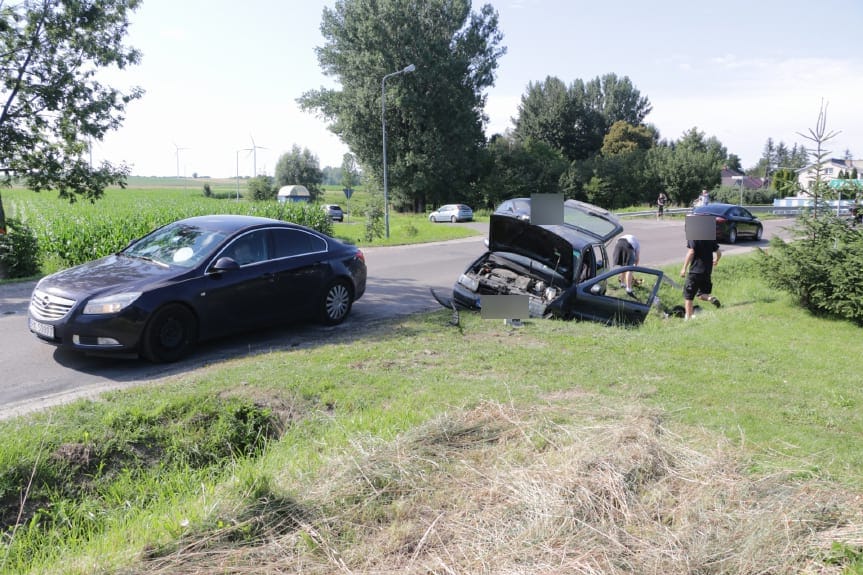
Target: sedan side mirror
224, 264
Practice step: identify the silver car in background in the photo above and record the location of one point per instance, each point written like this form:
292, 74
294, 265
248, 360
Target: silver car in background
452, 213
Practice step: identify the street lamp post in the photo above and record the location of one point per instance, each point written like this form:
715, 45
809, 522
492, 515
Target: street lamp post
405, 70
740, 181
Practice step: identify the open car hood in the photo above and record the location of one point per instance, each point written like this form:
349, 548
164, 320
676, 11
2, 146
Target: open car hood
547, 245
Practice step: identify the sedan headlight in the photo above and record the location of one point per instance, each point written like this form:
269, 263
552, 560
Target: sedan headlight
111, 303
469, 282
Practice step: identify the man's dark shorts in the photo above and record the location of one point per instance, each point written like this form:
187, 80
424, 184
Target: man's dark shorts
624, 253
697, 284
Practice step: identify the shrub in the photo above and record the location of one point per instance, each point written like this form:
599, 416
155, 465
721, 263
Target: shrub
19, 250
374, 213
261, 188
731, 195
823, 268
208, 191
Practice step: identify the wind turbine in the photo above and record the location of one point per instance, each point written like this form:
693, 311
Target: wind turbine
238, 169
254, 149
178, 148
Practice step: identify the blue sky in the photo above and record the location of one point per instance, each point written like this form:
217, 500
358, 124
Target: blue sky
218, 73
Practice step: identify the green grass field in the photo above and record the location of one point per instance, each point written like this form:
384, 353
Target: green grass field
727, 444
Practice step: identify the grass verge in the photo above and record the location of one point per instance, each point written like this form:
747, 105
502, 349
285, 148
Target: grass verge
729, 444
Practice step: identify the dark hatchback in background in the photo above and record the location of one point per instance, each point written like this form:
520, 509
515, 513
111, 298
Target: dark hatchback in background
732, 222
563, 270
197, 279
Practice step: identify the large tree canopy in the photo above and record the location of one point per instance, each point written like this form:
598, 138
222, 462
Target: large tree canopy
52, 102
576, 119
434, 116
686, 167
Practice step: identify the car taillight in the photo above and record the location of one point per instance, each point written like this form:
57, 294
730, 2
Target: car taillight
361, 256
720, 220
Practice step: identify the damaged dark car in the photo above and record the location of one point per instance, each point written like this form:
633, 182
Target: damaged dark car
563, 270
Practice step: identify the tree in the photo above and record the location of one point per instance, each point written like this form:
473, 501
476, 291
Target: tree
299, 167
819, 136
575, 120
623, 138
686, 167
52, 103
350, 173
434, 116
514, 169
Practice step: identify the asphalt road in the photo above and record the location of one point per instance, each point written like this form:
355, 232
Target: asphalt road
34, 375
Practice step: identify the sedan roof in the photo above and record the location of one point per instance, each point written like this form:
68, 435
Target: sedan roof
228, 222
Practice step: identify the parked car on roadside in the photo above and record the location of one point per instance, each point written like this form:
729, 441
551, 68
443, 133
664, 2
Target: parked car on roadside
452, 213
563, 270
334, 212
197, 279
516, 208
732, 222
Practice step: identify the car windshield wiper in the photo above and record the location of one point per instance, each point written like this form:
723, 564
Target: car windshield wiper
145, 258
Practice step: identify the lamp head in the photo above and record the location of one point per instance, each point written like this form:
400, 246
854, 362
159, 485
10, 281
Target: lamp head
409, 68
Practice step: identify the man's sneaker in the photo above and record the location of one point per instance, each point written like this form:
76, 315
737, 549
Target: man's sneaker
714, 301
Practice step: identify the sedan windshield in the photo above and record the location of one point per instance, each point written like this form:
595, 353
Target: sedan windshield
177, 245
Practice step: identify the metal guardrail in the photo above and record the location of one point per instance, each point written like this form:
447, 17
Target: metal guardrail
773, 210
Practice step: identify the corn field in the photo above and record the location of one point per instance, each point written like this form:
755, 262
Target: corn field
75, 233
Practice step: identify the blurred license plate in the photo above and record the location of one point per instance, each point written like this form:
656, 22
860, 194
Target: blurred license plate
43, 329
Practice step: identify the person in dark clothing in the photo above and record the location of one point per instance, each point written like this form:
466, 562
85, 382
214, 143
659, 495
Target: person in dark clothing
627, 252
702, 256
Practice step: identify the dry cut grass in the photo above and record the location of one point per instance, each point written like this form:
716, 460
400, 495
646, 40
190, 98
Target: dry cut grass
568, 488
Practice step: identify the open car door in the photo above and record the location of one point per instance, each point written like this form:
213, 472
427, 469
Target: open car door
601, 299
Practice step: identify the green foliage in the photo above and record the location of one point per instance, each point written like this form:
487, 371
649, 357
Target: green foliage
74, 234
434, 115
574, 120
687, 166
849, 557
375, 225
19, 250
299, 167
516, 169
78, 477
261, 188
624, 138
823, 268
731, 195
53, 100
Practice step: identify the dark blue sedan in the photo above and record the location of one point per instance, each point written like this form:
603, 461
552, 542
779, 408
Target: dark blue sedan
732, 222
197, 279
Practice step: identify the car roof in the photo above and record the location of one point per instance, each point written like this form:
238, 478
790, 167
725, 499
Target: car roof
592, 221
229, 222
713, 208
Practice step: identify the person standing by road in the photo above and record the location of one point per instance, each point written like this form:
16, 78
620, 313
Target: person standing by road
627, 252
703, 199
660, 205
701, 257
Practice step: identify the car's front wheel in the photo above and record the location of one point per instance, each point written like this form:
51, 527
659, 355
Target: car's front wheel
732, 235
431, 219
336, 304
170, 334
